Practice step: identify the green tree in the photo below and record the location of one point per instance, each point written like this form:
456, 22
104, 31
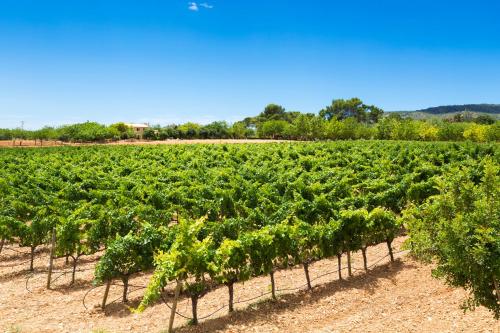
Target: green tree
46, 133
354, 107
152, 133
121, 131
484, 119
273, 112
460, 230
273, 129
239, 130
189, 130
215, 130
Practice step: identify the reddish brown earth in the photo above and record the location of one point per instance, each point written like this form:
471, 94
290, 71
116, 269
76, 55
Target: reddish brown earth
28, 143
391, 297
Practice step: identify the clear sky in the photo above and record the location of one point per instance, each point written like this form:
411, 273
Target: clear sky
166, 61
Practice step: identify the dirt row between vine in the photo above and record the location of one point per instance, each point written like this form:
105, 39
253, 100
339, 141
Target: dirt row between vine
391, 297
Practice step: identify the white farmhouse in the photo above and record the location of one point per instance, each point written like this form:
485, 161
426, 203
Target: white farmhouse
138, 129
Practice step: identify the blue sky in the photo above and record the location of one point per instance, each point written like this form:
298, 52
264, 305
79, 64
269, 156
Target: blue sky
172, 61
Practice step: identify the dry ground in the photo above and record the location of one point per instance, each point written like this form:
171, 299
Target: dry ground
397, 297
28, 143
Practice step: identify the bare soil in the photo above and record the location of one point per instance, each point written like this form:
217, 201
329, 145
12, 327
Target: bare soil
29, 143
391, 297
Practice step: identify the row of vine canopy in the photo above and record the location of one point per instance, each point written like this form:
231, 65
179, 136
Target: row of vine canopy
210, 215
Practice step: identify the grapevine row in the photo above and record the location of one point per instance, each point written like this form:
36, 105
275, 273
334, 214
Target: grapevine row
211, 215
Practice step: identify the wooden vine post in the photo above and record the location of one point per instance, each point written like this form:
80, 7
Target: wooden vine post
273, 285
174, 307
390, 249
306, 271
349, 269
106, 292
51, 259
497, 288
365, 260
339, 260
230, 287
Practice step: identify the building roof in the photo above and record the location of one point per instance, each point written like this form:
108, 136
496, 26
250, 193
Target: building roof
138, 125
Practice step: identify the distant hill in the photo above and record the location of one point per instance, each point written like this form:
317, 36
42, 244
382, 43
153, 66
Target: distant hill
478, 108
448, 111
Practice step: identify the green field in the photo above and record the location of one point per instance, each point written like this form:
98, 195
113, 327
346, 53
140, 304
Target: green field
217, 214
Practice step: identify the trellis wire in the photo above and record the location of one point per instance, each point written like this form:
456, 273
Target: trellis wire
277, 290
137, 288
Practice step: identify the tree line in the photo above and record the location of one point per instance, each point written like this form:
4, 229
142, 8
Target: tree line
342, 120
82, 132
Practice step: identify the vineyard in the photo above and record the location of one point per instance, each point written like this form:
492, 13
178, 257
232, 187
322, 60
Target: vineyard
206, 217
